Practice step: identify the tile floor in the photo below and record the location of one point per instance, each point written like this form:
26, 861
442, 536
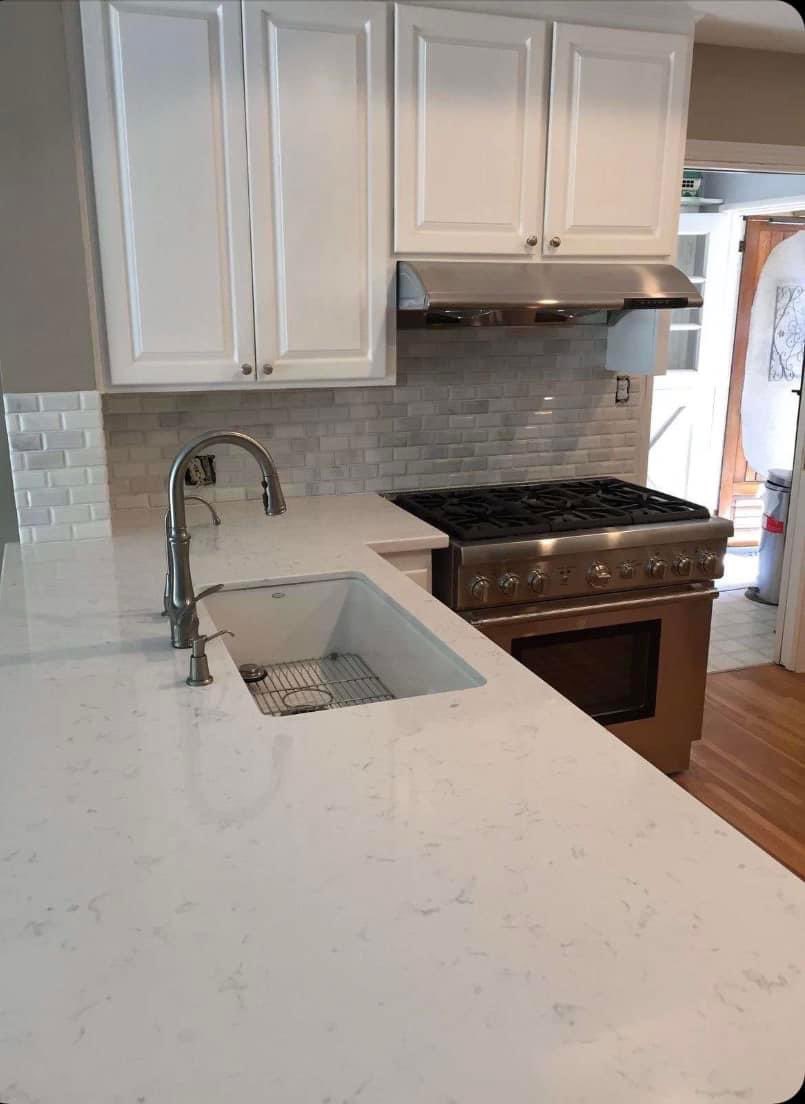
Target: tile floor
743, 632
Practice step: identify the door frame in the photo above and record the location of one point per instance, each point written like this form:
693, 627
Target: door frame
705, 154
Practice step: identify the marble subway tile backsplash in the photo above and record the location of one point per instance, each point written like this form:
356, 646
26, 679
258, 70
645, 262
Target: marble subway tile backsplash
468, 407
58, 462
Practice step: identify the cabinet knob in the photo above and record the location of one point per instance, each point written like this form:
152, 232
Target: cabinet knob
532, 239
268, 369
246, 369
555, 241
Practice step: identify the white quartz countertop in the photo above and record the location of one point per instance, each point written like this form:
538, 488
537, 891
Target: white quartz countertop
469, 897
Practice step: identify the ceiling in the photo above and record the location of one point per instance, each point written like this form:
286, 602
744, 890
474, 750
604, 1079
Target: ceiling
753, 24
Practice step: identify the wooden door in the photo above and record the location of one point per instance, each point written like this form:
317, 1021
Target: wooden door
615, 141
166, 113
317, 105
470, 93
740, 485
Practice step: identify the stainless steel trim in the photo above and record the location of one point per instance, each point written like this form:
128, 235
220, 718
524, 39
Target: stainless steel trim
598, 541
519, 292
580, 607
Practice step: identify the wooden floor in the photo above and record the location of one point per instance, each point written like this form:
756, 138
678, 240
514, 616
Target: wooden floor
749, 766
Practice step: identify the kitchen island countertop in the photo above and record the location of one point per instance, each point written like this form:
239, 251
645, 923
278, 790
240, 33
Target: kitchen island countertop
473, 896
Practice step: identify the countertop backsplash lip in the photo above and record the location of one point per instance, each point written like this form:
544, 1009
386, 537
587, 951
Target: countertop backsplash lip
475, 406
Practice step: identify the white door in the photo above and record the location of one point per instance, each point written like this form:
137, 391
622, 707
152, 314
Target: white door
317, 107
165, 93
615, 141
469, 132
688, 403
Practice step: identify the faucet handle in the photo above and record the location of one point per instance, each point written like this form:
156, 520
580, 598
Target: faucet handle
204, 640
199, 667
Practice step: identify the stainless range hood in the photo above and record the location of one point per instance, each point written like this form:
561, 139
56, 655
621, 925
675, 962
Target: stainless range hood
484, 293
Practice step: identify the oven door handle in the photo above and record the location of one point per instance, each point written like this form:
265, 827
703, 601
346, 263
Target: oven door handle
536, 614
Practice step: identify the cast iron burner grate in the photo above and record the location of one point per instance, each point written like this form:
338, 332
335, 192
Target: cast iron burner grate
539, 509
311, 685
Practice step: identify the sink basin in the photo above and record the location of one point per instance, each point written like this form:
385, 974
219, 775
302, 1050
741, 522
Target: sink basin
333, 642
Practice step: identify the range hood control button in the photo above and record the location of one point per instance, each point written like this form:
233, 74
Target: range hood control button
536, 581
682, 565
508, 583
479, 588
599, 575
655, 568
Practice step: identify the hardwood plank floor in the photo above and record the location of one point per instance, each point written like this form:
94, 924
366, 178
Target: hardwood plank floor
749, 766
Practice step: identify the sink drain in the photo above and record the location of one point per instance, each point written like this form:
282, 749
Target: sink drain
252, 672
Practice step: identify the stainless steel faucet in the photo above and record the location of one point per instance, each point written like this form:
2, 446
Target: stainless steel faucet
216, 520
181, 603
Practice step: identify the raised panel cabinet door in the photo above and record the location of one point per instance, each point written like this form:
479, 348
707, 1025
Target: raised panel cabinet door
166, 112
615, 141
317, 106
469, 104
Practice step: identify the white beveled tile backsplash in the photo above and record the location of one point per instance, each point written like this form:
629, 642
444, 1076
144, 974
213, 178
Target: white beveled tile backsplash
469, 407
58, 465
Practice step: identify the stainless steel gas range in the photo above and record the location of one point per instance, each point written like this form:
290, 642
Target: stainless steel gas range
602, 588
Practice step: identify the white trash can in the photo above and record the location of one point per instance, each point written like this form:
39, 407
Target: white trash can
772, 537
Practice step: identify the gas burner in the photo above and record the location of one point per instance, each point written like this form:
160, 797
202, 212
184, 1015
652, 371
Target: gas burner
539, 509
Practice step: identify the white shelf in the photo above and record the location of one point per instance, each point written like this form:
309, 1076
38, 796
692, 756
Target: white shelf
696, 201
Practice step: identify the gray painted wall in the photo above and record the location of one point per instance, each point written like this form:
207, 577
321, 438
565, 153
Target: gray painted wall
45, 330
8, 512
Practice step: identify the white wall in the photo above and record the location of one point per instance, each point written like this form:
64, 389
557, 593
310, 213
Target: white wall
743, 187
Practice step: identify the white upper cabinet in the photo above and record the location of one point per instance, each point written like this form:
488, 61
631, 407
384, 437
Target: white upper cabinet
616, 141
469, 129
317, 105
166, 113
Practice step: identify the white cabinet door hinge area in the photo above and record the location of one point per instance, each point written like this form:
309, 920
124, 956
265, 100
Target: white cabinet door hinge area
317, 108
470, 95
166, 112
615, 141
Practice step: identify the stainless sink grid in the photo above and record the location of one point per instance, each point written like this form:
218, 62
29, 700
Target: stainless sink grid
310, 685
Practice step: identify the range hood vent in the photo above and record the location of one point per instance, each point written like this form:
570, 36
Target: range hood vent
486, 293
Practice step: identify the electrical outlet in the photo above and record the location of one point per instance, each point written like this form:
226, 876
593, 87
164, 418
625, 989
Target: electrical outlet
200, 471
623, 386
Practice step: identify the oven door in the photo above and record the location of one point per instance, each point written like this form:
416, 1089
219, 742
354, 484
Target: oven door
637, 664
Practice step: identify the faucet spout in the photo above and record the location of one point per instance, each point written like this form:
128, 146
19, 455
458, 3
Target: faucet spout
180, 595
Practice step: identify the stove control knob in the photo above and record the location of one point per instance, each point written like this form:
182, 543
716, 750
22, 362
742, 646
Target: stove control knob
682, 565
710, 565
479, 588
599, 575
508, 583
626, 570
536, 581
655, 568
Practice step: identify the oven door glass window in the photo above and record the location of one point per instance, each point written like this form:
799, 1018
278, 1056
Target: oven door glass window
610, 673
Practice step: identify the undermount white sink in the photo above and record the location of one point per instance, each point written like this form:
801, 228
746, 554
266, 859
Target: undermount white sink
327, 629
